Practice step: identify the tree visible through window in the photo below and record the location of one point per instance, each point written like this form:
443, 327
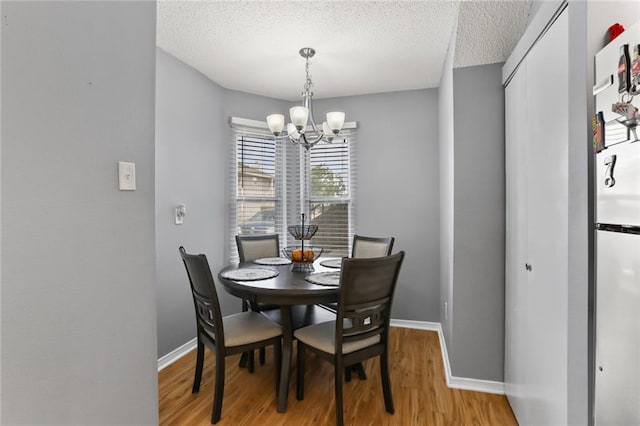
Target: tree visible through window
329, 196
325, 182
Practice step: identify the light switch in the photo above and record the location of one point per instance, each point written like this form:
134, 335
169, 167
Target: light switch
127, 176
181, 212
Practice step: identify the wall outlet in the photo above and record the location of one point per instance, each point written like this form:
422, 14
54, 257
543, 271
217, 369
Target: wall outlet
126, 176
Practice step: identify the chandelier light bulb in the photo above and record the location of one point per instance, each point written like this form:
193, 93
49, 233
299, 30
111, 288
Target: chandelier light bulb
335, 121
292, 132
299, 116
275, 123
328, 133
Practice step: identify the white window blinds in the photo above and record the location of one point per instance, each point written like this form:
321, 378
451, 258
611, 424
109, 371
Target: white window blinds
274, 182
321, 183
331, 185
256, 196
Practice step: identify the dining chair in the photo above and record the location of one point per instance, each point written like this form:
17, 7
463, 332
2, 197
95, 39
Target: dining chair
227, 335
252, 247
365, 247
371, 246
361, 328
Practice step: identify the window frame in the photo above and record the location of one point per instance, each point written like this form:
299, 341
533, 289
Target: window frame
252, 129
349, 166
293, 181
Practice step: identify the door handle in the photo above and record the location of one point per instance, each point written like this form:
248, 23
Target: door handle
610, 162
528, 267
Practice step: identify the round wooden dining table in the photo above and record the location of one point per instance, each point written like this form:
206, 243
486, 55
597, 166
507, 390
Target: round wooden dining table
289, 290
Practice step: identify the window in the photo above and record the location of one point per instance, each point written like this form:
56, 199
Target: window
330, 196
256, 205
272, 181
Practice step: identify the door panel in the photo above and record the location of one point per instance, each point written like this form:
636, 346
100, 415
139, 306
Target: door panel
547, 150
537, 208
516, 113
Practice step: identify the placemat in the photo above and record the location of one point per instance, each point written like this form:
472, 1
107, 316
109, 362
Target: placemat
332, 263
324, 278
249, 274
272, 261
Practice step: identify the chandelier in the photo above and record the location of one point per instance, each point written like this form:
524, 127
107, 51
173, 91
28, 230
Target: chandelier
298, 131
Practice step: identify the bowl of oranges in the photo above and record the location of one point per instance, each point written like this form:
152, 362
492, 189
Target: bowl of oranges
302, 257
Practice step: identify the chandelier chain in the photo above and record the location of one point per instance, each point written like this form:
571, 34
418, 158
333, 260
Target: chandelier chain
308, 84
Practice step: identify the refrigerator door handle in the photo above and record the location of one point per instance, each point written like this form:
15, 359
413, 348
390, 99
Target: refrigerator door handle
610, 162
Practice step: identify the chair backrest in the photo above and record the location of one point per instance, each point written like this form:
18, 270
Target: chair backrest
205, 297
367, 286
371, 246
252, 247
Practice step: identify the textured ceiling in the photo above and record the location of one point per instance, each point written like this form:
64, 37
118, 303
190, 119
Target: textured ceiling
488, 31
362, 46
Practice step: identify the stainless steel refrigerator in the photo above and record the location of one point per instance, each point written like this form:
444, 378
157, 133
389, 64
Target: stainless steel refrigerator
617, 310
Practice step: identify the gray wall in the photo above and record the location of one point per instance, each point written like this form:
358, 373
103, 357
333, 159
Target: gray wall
78, 306
471, 123
398, 190
477, 340
446, 139
193, 139
190, 170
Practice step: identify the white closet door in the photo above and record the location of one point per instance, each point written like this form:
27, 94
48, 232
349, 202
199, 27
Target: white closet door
547, 91
536, 291
516, 322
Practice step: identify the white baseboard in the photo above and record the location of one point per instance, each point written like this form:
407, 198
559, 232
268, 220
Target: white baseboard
420, 325
454, 382
176, 354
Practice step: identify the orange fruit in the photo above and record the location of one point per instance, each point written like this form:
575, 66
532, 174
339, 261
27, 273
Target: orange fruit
296, 255
308, 255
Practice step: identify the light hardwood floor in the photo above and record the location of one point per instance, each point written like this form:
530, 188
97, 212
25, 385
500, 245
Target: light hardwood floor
420, 393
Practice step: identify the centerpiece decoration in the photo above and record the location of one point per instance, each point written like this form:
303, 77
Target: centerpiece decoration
302, 256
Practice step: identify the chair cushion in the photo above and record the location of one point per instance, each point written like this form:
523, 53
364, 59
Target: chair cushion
248, 327
322, 336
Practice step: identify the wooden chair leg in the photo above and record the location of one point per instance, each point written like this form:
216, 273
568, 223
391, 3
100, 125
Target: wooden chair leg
218, 392
251, 364
339, 368
244, 358
245, 355
386, 383
277, 358
262, 355
199, 365
359, 368
300, 373
347, 374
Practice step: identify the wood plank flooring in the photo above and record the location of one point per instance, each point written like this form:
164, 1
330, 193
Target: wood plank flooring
420, 393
